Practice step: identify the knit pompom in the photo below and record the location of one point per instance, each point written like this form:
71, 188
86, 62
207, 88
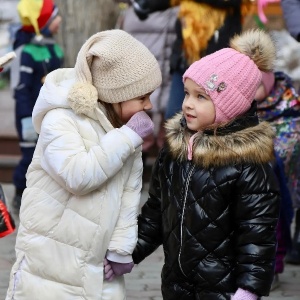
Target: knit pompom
258, 45
83, 98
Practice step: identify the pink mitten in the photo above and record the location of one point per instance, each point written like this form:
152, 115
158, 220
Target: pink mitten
141, 123
108, 271
120, 269
241, 294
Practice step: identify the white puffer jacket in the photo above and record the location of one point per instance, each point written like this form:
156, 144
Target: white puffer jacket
82, 199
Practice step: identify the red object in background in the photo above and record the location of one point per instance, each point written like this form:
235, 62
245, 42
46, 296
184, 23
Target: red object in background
7, 224
45, 14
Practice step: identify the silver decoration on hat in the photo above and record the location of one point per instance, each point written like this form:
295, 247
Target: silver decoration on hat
210, 83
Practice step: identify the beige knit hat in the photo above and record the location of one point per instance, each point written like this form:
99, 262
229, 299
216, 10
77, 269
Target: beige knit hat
114, 67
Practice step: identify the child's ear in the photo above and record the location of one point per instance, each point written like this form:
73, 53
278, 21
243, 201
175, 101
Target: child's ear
183, 122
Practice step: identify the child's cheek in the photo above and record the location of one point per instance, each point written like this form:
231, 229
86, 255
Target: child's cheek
260, 93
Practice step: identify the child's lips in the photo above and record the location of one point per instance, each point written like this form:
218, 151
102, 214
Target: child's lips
190, 116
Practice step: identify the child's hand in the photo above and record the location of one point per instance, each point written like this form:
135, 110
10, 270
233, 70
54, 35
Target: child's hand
120, 268
141, 123
108, 271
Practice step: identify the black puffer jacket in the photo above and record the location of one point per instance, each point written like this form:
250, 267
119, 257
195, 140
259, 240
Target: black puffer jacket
215, 215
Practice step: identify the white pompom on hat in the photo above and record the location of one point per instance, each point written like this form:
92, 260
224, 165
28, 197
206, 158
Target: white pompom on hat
112, 66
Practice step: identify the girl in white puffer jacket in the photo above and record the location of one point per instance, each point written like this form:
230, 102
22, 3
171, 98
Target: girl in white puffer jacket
78, 212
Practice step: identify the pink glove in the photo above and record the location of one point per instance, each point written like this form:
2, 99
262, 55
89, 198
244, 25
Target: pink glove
119, 268
141, 123
241, 294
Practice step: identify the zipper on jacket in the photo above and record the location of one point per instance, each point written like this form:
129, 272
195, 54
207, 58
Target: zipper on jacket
182, 214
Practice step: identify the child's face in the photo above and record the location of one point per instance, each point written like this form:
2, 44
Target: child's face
54, 25
128, 108
198, 109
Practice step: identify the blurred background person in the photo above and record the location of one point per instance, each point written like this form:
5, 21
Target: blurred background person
291, 14
202, 27
157, 33
37, 55
279, 104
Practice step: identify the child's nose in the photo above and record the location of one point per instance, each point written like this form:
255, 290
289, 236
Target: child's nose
187, 102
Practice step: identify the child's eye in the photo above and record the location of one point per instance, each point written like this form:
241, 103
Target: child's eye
200, 96
186, 93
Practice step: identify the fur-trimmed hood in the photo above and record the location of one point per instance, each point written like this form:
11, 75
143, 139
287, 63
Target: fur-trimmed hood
252, 144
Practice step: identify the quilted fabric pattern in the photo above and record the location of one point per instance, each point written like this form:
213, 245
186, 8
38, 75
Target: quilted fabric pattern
216, 224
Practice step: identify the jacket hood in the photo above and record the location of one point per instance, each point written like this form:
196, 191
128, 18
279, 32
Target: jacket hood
54, 94
243, 144
23, 37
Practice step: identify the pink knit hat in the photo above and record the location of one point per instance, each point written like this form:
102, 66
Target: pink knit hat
231, 76
268, 80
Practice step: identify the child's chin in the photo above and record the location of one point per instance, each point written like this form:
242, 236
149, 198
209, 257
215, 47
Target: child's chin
192, 128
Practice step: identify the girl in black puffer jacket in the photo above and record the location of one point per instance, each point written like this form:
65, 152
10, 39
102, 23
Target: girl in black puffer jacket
214, 199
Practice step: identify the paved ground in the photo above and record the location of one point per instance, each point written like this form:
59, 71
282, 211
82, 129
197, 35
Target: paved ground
144, 281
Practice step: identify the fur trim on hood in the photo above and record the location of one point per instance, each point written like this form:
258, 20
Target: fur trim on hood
249, 145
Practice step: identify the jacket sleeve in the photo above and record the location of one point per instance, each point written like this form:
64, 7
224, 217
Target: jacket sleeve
291, 13
256, 216
23, 91
221, 3
69, 162
216, 3
145, 7
156, 5
124, 237
150, 220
